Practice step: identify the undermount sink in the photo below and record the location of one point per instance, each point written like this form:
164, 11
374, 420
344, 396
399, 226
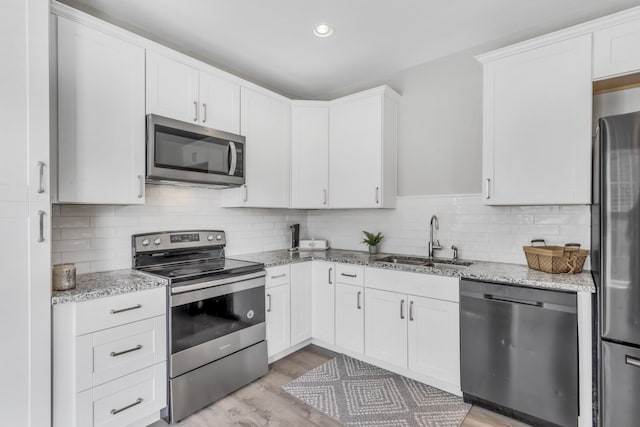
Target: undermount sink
423, 261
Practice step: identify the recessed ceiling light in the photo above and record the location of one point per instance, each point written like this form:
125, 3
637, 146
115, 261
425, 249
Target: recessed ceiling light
323, 30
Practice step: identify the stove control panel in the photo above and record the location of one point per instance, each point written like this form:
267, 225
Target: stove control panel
177, 240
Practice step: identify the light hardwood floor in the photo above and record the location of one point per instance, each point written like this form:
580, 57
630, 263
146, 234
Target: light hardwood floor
265, 403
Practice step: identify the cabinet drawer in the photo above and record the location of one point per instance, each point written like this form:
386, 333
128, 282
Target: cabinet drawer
350, 274
419, 284
113, 353
118, 310
125, 400
277, 276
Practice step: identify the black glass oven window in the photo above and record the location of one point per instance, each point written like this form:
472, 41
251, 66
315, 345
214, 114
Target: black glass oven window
177, 149
201, 321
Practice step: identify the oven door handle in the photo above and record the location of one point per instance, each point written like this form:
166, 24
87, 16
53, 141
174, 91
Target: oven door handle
181, 295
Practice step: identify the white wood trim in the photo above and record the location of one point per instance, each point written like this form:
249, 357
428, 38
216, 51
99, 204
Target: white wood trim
440, 196
383, 90
585, 358
564, 34
290, 350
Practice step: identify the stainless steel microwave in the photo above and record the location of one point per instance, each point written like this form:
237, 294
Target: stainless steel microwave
186, 153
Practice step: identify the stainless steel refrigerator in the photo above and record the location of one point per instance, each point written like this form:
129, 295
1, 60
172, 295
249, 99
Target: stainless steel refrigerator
616, 267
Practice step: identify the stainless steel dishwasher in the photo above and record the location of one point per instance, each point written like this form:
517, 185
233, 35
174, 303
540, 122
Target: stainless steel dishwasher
519, 351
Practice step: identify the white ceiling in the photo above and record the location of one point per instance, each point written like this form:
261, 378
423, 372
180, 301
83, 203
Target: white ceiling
271, 43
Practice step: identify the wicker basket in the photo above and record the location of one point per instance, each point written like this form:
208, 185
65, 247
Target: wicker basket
556, 259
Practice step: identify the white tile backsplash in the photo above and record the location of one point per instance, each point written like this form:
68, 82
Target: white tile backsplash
98, 238
481, 232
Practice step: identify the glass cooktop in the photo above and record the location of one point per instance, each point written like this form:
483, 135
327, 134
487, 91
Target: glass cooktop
206, 269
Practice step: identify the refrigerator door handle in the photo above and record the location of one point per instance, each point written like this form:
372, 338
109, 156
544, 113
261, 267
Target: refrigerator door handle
630, 360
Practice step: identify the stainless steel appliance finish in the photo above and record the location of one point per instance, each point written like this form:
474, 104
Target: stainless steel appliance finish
519, 352
295, 237
183, 152
215, 315
615, 263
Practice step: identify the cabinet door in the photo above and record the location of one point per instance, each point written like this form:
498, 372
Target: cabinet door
350, 317
537, 126
101, 117
309, 155
172, 89
355, 153
264, 121
300, 302
434, 339
219, 103
386, 326
615, 50
323, 297
278, 319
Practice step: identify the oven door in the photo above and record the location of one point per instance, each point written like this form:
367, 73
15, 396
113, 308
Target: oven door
211, 323
180, 151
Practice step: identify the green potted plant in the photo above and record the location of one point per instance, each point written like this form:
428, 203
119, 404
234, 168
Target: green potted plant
373, 240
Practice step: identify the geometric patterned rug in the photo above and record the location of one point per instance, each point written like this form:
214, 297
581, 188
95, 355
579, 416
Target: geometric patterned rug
358, 394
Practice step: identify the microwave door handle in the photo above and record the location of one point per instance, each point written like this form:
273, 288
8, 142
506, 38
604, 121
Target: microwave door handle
234, 157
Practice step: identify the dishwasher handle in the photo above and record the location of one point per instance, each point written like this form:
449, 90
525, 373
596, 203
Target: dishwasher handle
512, 300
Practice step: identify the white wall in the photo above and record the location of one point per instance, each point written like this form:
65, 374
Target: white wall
98, 238
481, 232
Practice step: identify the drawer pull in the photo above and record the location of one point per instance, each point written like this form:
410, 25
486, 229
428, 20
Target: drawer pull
117, 411
279, 276
349, 275
630, 360
120, 353
122, 310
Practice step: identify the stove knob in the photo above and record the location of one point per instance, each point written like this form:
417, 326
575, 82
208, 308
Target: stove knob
219, 237
210, 237
157, 241
145, 242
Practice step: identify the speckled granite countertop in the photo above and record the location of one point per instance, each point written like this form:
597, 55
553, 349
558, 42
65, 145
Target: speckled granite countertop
97, 285
511, 274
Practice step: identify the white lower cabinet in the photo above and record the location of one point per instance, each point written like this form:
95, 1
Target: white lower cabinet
110, 371
323, 291
433, 339
278, 319
350, 317
386, 326
301, 302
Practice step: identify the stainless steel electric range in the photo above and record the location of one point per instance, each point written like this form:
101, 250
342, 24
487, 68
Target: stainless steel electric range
215, 315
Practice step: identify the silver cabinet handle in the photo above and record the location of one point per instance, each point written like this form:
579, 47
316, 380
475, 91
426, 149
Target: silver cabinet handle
348, 275
279, 276
195, 105
402, 309
377, 195
359, 305
41, 179
122, 310
120, 353
41, 236
330, 271
411, 311
141, 189
204, 112
487, 194
324, 199
117, 411
630, 360
233, 154
246, 193
268, 303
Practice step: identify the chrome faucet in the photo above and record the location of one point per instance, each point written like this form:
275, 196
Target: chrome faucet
433, 222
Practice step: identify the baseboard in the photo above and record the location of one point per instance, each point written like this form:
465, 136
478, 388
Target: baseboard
290, 350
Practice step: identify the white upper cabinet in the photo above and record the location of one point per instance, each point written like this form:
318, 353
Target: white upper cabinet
101, 117
615, 50
537, 125
172, 88
265, 122
183, 92
362, 150
309, 154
